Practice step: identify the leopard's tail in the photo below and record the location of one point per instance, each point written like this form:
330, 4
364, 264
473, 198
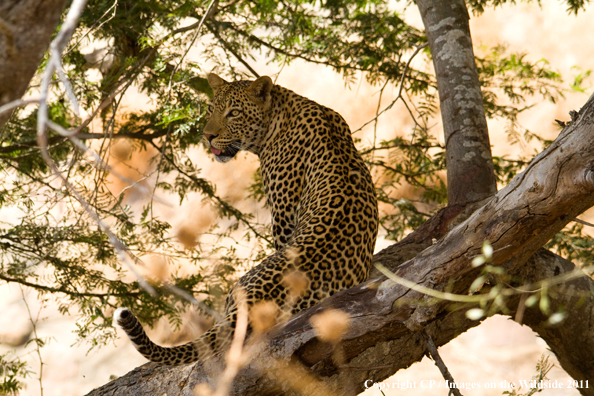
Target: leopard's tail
200, 349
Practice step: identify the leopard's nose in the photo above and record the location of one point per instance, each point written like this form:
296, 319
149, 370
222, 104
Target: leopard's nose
209, 137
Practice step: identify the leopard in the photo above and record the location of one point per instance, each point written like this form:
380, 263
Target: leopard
321, 198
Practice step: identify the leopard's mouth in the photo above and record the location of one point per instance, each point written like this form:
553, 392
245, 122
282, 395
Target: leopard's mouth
225, 154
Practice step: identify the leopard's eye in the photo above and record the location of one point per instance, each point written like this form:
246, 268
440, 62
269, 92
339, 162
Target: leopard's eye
210, 108
234, 113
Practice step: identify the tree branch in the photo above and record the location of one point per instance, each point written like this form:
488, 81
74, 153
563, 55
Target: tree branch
377, 344
62, 290
229, 48
139, 135
439, 363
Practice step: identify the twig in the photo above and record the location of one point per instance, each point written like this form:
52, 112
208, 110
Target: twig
575, 274
400, 87
412, 116
379, 103
235, 54
136, 184
583, 222
36, 340
238, 215
44, 288
93, 28
187, 296
235, 356
64, 79
157, 169
289, 54
521, 308
403, 145
439, 363
210, 11
99, 162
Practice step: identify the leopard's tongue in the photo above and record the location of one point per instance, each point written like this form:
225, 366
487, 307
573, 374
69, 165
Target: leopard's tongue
215, 150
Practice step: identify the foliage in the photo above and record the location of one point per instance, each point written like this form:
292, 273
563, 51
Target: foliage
543, 366
478, 6
573, 244
56, 248
12, 372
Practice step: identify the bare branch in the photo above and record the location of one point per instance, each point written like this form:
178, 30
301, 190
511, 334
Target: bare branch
439, 363
43, 123
235, 54
17, 103
583, 222
418, 49
210, 11
94, 27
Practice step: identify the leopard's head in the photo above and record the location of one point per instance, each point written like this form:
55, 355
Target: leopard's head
238, 116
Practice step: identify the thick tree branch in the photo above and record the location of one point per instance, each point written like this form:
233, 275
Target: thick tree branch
573, 340
387, 318
470, 173
377, 344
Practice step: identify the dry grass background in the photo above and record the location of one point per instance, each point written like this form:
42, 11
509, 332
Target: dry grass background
495, 351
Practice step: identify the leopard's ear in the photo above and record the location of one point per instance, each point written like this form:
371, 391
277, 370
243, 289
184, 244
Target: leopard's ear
260, 90
215, 82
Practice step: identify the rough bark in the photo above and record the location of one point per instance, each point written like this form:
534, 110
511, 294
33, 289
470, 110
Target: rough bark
572, 341
470, 174
386, 318
26, 28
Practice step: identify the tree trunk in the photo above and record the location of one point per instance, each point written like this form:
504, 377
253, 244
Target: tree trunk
387, 318
26, 28
470, 174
